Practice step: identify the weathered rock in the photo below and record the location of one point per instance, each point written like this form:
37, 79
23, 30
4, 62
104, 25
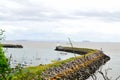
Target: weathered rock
77, 69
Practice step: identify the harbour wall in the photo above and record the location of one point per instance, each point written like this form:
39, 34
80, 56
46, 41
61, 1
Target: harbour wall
80, 68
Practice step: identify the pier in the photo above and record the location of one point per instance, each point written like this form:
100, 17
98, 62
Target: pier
78, 68
11, 46
80, 51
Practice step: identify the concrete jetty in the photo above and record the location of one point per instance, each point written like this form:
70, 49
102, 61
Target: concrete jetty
11, 46
75, 50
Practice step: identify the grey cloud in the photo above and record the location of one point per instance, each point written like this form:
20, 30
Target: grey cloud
102, 15
31, 12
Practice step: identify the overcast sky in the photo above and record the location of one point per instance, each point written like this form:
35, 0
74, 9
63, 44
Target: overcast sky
93, 20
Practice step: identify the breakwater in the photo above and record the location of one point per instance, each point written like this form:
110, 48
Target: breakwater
80, 68
11, 46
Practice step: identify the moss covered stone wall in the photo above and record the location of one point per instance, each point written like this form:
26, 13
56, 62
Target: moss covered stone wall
77, 69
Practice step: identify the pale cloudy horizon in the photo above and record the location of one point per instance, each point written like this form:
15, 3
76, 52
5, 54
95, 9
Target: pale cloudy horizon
55, 20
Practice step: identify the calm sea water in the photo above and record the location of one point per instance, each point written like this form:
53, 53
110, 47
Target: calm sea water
35, 53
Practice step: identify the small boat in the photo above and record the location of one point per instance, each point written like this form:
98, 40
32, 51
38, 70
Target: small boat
63, 53
38, 58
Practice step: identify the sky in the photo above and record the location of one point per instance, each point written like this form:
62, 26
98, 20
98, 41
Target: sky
56, 20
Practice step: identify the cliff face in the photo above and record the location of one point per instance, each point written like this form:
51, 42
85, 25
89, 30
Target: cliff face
79, 68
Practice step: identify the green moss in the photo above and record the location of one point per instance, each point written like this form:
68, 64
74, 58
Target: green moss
79, 49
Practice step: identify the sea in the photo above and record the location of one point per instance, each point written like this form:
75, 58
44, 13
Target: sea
35, 53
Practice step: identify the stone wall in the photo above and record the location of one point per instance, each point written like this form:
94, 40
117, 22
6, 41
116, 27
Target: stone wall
77, 69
